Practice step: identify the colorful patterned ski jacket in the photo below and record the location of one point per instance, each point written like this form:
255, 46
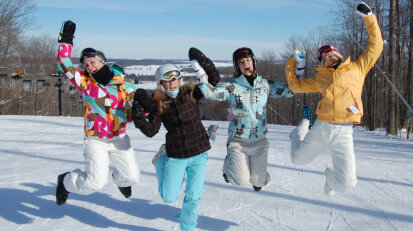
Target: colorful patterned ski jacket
247, 111
341, 88
107, 109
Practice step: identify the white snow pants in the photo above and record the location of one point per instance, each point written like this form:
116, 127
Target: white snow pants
338, 139
246, 161
97, 153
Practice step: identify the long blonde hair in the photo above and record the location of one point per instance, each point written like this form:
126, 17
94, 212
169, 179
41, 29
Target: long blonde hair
159, 96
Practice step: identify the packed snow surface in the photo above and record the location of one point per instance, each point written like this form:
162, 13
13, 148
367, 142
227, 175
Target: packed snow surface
35, 150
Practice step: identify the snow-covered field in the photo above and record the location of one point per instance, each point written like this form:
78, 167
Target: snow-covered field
34, 150
150, 69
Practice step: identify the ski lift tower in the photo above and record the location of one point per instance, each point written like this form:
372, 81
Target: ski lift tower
59, 84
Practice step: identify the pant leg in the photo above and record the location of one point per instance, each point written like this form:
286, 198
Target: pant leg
258, 157
236, 164
195, 183
307, 144
122, 155
343, 175
170, 173
95, 175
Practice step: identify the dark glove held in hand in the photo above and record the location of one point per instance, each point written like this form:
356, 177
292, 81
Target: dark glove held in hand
67, 32
143, 99
137, 112
206, 64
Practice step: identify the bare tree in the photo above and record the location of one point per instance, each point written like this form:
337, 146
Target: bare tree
15, 17
410, 69
391, 101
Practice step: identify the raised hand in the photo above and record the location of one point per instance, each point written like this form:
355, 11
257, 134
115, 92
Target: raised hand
67, 32
363, 9
300, 66
206, 64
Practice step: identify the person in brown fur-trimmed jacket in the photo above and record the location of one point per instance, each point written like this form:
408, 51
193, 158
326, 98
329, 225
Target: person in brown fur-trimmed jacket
185, 150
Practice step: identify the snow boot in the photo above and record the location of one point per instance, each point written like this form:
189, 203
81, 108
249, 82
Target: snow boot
162, 151
61, 192
257, 189
225, 177
126, 191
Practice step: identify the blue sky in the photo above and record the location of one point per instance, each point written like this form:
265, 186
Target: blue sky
166, 29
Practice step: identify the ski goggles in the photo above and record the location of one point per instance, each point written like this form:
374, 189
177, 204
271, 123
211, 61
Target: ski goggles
168, 76
326, 49
90, 52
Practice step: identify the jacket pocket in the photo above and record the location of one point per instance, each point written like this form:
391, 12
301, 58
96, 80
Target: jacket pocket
356, 101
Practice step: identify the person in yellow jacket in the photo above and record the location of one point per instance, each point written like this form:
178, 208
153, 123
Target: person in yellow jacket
340, 83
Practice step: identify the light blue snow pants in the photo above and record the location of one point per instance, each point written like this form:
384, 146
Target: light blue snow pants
171, 174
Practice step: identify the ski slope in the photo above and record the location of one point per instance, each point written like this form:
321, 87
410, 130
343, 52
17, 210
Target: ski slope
34, 150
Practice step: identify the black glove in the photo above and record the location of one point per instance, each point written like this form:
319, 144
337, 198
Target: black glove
138, 113
363, 9
142, 98
67, 32
206, 64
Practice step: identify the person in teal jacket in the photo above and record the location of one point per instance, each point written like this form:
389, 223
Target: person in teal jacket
247, 94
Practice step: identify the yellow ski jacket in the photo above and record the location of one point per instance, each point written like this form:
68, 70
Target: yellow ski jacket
341, 88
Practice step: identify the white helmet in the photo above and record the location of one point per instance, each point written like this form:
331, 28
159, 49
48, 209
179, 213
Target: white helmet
167, 72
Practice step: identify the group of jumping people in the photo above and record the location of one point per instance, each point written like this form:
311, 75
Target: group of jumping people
111, 101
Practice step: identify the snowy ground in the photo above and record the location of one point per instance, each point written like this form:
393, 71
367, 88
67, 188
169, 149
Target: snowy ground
151, 69
34, 150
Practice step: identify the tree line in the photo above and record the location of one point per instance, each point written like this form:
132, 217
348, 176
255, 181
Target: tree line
35, 93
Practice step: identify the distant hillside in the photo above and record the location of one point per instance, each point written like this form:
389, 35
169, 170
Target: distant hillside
134, 62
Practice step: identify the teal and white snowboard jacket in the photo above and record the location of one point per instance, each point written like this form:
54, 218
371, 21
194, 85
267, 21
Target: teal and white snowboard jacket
247, 111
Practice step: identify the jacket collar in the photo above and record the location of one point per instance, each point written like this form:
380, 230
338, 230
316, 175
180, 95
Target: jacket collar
342, 66
241, 80
118, 75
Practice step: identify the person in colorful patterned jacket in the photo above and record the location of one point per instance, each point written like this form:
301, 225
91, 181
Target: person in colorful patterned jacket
247, 94
340, 83
107, 98
176, 106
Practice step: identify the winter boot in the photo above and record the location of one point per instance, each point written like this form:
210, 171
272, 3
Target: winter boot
61, 192
225, 177
257, 189
162, 151
126, 191
329, 172
308, 114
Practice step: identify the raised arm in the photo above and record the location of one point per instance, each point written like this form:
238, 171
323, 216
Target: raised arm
375, 43
298, 85
208, 76
64, 62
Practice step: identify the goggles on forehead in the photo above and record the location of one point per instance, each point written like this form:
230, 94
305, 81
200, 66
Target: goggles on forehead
88, 52
325, 49
243, 53
168, 76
